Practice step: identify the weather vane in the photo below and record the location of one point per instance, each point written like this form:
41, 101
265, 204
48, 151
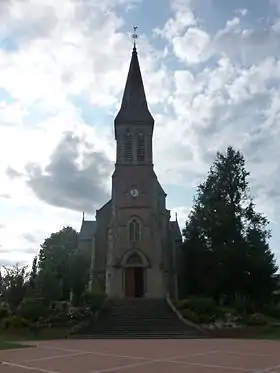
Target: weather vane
135, 36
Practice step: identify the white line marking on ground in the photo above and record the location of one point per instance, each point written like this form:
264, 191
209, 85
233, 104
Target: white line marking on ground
248, 353
151, 362
55, 357
77, 352
267, 370
28, 367
209, 366
81, 352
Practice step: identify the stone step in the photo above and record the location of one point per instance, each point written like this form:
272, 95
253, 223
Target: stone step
139, 319
135, 328
143, 334
109, 336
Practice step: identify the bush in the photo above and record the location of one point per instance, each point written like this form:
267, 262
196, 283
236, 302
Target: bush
227, 314
190, 315
202, 305
94, 300
243, 305
207, 318
79, 313
14, 322
257, 319
182, 304
32, 309
4, 311
273, 312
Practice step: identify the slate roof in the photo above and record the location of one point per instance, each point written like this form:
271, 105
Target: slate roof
134, 107
87, 230
175, 230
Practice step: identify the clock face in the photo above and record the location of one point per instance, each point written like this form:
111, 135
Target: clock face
134, 193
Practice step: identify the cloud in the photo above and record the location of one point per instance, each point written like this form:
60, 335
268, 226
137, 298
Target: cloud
75, 178
233, 100
193, 47
9, 262
30, 237
243, 12
183, 18
11, 113
245, 44
12, 173
5, 196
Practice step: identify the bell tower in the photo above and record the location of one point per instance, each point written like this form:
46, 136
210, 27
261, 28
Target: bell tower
135, 253
134, 123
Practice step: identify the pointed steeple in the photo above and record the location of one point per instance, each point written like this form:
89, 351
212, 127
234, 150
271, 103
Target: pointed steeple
134, 107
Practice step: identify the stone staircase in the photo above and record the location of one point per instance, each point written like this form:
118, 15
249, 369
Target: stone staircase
139, 319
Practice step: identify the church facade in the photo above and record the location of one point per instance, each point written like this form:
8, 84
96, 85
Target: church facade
135, 247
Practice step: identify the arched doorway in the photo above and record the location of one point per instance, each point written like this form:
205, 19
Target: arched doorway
134, 277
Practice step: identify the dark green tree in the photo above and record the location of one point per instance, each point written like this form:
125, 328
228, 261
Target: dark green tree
225, 240
79, 274
1, 284
33, 273
62, 268
14, 285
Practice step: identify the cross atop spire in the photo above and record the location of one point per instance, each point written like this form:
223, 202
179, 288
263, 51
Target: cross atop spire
135, 36
134, 107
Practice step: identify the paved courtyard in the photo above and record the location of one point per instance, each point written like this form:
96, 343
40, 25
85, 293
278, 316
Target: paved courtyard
139, 356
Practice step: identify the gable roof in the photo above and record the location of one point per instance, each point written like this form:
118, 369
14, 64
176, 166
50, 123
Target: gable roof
87, 230
175, 230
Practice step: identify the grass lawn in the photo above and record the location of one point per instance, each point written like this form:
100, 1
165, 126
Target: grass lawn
270, 333
6, 345
25, 334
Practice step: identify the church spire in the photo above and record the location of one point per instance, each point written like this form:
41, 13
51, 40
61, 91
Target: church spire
134, 107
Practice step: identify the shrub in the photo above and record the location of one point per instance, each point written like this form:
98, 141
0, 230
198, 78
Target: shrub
273, 312
243, 305
182, 304
31, 309
207, 318
190, 315
79, 313
227, 314
14, 322
257, 319
202, 305
4, 311
94, 300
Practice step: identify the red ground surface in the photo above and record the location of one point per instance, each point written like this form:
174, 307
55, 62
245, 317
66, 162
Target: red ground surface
144, 356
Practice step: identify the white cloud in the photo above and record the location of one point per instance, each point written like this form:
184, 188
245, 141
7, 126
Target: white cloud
193, 47
183, 18
242, 12
12, 113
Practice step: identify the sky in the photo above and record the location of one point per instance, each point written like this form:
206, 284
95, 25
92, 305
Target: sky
211, 70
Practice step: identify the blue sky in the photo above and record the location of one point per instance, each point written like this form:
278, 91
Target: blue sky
212, 75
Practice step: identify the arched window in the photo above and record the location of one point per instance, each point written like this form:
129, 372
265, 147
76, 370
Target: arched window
128, 147
140, 147
134, 230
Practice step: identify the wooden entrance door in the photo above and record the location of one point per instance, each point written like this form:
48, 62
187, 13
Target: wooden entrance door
134, 282
139, 282
129, 283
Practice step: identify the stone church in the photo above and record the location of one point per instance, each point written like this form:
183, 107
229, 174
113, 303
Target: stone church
135, 246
